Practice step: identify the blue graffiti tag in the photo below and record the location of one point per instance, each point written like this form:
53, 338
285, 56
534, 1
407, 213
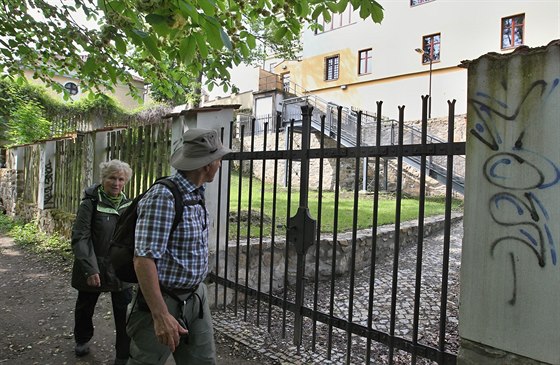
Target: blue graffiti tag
517, 207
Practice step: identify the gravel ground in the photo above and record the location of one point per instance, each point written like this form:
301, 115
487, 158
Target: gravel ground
278, 342
37, 314
36, 321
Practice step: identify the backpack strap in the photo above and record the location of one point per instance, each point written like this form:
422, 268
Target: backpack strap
94, 201
170, 184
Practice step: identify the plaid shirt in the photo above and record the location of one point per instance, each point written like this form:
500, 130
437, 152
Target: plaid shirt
182, 260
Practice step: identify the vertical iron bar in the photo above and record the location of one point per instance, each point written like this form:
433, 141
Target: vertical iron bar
237, 240
249, 221
288, 215
263, 173
375, 217
287, 163
318, 239
335, 236
306, 112
354, 237
420, 242
218, 221
447, 231
364, 173
396, 252
228, 206
273, 233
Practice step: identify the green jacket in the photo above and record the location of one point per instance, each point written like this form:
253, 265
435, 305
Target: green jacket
91, 236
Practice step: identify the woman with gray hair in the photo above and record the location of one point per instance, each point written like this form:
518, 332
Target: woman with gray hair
92, 274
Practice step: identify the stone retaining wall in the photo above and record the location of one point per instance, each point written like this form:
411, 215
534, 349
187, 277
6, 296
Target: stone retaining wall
8, 189
51, 221
385, 247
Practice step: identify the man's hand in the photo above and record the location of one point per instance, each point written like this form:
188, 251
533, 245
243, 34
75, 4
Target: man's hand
168, 330
94, 280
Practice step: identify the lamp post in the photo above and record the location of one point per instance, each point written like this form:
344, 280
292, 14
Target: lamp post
430, 83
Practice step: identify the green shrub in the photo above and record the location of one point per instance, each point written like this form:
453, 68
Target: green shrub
28, 235
6, 224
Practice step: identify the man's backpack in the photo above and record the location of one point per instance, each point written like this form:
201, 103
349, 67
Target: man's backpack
121, 249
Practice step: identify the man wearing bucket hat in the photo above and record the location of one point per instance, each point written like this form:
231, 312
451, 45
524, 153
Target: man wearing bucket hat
171, 312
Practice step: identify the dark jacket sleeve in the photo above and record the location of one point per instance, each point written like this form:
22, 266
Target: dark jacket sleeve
82, 243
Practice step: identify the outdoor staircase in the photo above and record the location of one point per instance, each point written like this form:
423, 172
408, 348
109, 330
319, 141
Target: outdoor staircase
435, 165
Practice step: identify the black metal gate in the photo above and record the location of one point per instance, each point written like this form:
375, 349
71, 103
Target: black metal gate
301, 261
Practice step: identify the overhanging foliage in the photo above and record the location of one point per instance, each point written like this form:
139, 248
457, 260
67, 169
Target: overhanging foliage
170, 43
29, 114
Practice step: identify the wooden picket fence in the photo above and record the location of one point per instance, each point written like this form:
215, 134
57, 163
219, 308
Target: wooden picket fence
68, 187
31, 173
147, 149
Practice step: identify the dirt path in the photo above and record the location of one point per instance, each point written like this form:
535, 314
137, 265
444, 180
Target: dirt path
37, 316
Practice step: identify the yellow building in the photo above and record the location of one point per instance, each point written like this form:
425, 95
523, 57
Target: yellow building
121, 94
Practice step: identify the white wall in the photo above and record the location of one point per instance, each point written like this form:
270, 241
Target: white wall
245, 77
209, 119
468, 30
510, 269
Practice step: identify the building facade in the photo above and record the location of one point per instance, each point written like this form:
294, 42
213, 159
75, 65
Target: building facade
121, 92
416, 50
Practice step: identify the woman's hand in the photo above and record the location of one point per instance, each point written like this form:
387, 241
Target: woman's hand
94, 280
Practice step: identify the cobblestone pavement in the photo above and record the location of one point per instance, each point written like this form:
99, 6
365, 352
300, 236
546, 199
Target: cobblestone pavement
354, 305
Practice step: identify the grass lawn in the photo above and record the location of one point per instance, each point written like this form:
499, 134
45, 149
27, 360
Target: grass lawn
386, 210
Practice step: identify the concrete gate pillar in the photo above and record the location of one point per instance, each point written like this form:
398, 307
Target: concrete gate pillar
216, 117
510, 270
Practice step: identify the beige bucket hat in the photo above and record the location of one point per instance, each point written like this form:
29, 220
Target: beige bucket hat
200, 147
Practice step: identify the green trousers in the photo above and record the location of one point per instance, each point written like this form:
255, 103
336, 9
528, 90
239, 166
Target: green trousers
199, 350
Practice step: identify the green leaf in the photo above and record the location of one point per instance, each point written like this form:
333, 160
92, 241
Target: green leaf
280, 33
225, 39
136, 39
112, 74
208, 6
251, 41
244, 50
187, 49
89, 66
151, 45
156, 19
101, 4
377, 12
342, 5
364, 11
213, 34
158, 23
120, 44
188, 11
317, 12
202, 47
332, 6
140, 33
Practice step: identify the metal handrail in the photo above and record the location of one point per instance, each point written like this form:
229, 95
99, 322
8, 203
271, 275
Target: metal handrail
291, 110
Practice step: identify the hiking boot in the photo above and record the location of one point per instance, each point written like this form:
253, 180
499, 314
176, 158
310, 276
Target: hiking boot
82, 349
